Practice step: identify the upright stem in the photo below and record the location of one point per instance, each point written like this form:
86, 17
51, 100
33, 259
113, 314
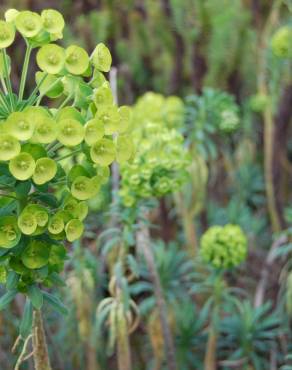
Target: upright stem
144, 244
268, 119
40, 349
6, 72
24, 71
123, 345
210, 356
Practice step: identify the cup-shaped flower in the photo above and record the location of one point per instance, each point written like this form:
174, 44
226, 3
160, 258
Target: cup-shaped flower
101, 58
51, 58
70, 112
36, 254
82, 188
45, 130
74, 229
27, 223
103, 95
45, 171
11, 14
53, 21
125, 148
125, 113
28, 23
9, 232
103, 152
19, 126
7, 34
9, 147
110, 118
76, 60
56, 224
70, 132
82, 210
94, 131
22, 166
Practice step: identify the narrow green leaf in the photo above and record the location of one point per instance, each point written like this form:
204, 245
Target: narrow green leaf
55, 303
26, 321
7, 298
36, 296
12, 280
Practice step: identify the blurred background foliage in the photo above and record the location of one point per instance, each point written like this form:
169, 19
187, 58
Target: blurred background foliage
214, 54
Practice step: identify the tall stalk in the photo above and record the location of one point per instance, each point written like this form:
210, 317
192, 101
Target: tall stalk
268, 118
39, 343
144, 245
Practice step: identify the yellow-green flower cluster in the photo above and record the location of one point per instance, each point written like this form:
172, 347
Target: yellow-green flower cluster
161, 161
55, 158
167, 111
282, 42
224, 246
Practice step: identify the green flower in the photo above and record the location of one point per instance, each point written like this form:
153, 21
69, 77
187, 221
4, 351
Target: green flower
27, 223
101, 58
53, 21
103, 152
82, 188
94, 131
110, 119
224, 247
70, 132
125, 148
45, 131
9, 147
45, 171
10, 15
51, 58
7, 34
28, 23
282, 42
36, 254
74, 230
77, 60
22, 166
20, 126
9, 232
56, 224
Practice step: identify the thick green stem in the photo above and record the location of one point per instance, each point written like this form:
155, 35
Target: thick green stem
40, 349
24, 71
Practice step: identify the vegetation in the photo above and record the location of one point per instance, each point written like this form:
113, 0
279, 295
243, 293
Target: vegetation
145, 185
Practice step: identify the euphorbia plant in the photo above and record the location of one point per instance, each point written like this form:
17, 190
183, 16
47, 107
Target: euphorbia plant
54, 156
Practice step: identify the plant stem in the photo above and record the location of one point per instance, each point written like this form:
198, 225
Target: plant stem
210, 356
6, 72
69, 155
69, 97
24, 71
4, 85
40, 349
268, 118
144, 244
39, 98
